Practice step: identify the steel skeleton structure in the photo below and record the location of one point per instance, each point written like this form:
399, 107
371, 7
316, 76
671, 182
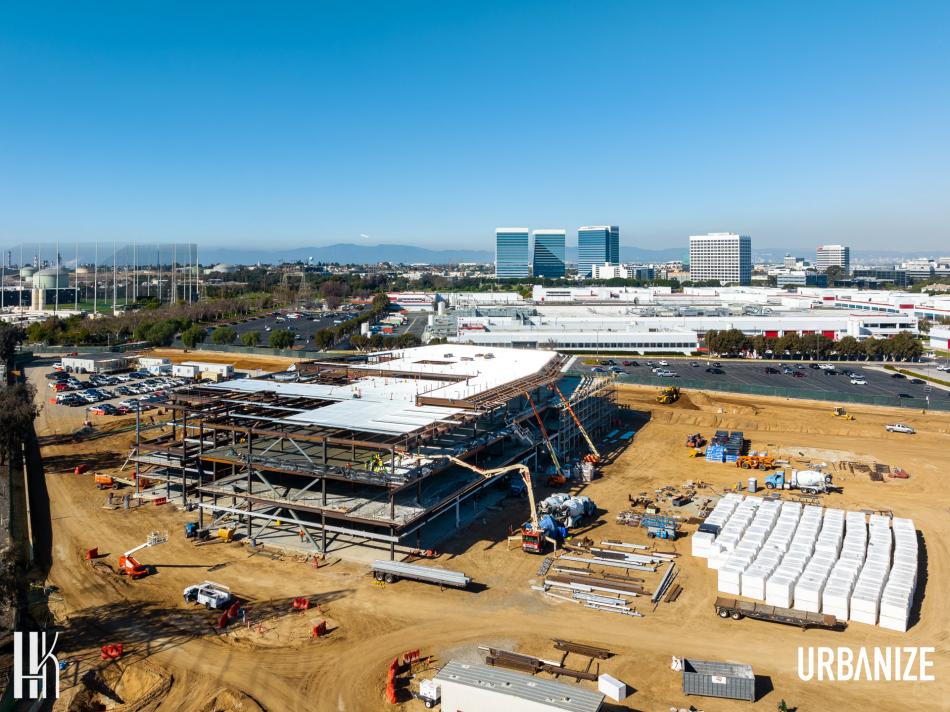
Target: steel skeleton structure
249, 451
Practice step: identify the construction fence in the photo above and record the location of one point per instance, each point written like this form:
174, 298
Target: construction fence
937, 400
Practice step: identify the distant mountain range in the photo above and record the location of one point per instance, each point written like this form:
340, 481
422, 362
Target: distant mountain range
349, 253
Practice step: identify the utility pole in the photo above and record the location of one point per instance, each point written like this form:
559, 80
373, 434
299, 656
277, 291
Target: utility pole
95, 281
115, 279
56, 282
76, 280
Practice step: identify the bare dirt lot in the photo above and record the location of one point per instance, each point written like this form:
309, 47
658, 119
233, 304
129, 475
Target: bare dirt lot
175, 659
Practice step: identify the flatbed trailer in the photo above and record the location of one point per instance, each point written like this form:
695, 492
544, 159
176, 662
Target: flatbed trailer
392, 571
737, 610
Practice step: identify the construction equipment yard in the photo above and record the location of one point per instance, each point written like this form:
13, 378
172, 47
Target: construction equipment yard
315, 630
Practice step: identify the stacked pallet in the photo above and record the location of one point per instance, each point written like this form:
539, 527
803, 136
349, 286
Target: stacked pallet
898, 596
821, 561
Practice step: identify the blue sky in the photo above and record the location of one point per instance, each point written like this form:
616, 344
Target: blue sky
432, 123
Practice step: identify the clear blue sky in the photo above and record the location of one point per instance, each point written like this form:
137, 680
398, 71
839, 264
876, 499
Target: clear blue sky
434, 122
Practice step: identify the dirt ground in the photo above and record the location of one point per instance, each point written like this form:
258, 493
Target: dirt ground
175, 659
241, 362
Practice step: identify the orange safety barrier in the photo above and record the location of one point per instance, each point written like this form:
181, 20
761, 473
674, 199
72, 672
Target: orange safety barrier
223, 621
92, 553
233, 611
301, 603
391, 692
111, 651
80, 469
410, 656
159, 500
319, 630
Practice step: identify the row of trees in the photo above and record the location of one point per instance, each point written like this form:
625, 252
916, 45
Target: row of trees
157, 325
902, 346
377, 342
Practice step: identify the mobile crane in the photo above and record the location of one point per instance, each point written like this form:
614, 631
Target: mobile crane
129, 566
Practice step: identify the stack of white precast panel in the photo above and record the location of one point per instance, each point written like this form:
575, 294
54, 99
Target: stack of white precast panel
840, 563
898, 595
704, 543
866, 597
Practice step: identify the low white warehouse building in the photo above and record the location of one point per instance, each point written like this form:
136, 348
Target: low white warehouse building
469, 687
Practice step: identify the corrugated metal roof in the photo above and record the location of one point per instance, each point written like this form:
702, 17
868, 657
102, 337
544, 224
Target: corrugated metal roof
557, 695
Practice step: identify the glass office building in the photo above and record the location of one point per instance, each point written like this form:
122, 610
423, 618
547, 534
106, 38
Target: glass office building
549, 253
597, 245
511, 252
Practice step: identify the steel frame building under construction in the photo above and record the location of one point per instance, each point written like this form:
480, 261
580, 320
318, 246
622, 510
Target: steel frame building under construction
339, 454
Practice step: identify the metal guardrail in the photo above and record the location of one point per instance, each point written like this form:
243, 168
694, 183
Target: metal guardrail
935, 403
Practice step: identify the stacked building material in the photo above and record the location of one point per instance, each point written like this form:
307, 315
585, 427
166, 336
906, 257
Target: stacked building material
821, 561
734, 446
898, 596
866, 597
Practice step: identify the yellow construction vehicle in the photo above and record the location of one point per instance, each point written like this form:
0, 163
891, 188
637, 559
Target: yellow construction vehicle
840, 412
667, 395
755, 462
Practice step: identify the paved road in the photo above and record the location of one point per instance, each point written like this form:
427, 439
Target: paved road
880, 383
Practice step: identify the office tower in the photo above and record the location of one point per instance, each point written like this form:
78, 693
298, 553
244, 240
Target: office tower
597, 245
833, 256
721, 256
511, 252
549, 253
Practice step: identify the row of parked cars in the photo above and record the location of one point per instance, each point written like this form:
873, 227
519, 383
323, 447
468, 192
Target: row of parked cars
150, 389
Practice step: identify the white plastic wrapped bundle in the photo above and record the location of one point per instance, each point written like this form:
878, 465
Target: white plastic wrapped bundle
864, 605
808, 591
835, 599
779, 590
753, 583
701, 544
730, 578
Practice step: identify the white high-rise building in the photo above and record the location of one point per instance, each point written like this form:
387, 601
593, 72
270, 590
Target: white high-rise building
833, 256
722, 256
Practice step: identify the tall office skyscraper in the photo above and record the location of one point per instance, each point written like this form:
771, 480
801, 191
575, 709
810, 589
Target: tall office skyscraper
511, 252
597, 245
833, 256
722, 256
549, 253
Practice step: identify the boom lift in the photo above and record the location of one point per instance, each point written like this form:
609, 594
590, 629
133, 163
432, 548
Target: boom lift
595, 453
129, 566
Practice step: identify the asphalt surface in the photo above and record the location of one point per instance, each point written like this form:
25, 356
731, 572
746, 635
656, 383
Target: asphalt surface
303, 326
880, 383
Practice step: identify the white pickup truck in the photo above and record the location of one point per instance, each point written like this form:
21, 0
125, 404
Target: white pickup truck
209, 594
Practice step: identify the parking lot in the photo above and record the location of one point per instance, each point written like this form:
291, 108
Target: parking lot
113, 394
878, 383
304, 327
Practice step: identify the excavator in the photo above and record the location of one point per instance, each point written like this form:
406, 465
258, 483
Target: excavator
533, 536
129, 566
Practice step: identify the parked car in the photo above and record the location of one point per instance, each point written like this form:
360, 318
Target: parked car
599, 369
770, 371
918, 381
898, 375
858, 381
799, 374
899, 428
714, 370
694, 364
